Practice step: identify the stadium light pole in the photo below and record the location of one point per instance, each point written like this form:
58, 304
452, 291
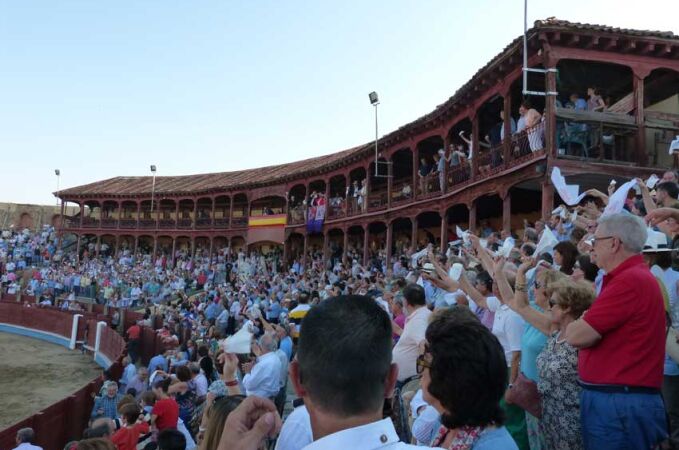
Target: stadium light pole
374, 100
57, 172
153, 185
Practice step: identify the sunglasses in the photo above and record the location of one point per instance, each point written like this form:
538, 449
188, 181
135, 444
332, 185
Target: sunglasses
421, 363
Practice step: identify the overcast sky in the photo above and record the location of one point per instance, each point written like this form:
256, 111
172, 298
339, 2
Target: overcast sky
102, 89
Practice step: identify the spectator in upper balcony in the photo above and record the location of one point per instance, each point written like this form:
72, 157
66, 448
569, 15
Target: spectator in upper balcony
457, 155
440, 160
423, 174
594, 100
576, 102
523, 109
512, 123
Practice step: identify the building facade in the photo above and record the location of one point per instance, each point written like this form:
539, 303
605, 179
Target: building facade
506, 179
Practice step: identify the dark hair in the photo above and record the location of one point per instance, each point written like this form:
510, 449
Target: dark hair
588, 268
171, 439
569, 253
414, 294
303, 297
209, 369
99, 431
203, 351
183, 373
99, 443
528, 248
468, 369
670, 188
485, 279
130, 412
148, 397
163, 384
344, 354
662, 259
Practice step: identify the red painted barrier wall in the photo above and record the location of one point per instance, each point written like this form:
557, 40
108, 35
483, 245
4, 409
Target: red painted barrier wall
66, 419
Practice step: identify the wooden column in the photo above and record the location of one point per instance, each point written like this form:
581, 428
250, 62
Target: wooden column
157, 212
507, 212
547, 199
155, 249
416, 165
550, 112
174, 248
444, 231
98, 247
640, 157
138, 214
345, 247
413, 235
326, 237
507, 124
475, 145
212, 242
193, 248
472, 217
446, 144
117, 248
82, 213
176, 215
77, 248
212, 214
367, 189
390, 183
136, 246
119, 214
390, 238
366, 245
195, 213
230, 212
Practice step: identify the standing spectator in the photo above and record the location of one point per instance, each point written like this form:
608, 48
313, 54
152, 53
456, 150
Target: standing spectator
423, 174
128, 373
262, 378
165, 412
127, 436
133, 335
406, 349
24, 440
621, 376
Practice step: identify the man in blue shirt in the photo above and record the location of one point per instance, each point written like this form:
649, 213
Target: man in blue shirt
158, 361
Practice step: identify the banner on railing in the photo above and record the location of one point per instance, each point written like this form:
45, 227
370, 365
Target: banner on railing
316, 214
269, 228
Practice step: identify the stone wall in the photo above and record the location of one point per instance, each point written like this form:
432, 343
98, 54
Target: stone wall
33, 217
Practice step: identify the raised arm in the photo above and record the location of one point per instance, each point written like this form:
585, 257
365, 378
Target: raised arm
520, 303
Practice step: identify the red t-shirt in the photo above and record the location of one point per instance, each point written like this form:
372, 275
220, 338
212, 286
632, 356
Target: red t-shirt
133, 332
128, 438
167, 411
629, 314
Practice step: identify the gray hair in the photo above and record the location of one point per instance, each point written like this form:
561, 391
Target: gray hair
630, 229
26, 435
195, 368
268, 342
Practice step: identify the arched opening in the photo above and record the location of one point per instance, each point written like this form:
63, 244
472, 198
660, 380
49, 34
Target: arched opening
25, 221
295, 248
338, 193
238, 244
402, 231
267, 206
109, 214
661, 116
202, 247
491, 133
488, 215
185, 213
145, 245
164, 247
402, 185
148, 218
88, 243
107, 245
587, 127
355, 249
357, 191
428, 229
204, 211
222, 210
220, 248
459, 165
125, 245
377, 245
240, 211
428, 164
182, 249
335, 246
128, 214
167, 209
458, 216
93, 214
296, 202
378, 195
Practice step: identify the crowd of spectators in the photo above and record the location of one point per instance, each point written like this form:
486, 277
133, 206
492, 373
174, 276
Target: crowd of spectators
555, 336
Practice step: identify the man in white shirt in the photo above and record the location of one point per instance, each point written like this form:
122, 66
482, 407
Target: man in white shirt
406, 351
263, 378
344, 381
24, 440
296, 432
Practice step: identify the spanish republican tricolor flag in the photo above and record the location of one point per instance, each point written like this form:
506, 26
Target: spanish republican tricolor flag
267, 228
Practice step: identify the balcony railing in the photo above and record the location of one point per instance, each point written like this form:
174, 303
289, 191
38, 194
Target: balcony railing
204, 222
221, 222
90, 222
128, 223
239, 222
184, 223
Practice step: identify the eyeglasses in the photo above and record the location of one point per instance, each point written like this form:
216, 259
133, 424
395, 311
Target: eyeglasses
552, 303
421, 363
603, 238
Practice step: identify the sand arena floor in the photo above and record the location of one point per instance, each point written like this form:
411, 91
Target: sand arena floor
34, 374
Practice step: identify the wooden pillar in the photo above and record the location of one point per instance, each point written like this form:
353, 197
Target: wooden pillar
119, 214
193, 248
77, 248
230, 213
367, 189
640, 157
138, 217
82, 214
195, 213
547, 199
98, 247
446, 144
413, 235
550, 112
507, 212
212, 214
176, 215
326, 238
285, 252
507, 124
416, 165
174, 248
157, 212
212, 242
366, 244
390, 183
444, 231
306, 247
136, 246
117, 248
345, 248
389, 243
475, 145
155, 249
472, 217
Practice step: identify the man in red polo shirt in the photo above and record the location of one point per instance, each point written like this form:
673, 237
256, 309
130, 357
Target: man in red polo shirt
622, 344
133, 335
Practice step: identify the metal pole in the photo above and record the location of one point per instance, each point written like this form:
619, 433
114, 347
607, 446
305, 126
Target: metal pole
376, 153
153, 190
525, 47
58, 177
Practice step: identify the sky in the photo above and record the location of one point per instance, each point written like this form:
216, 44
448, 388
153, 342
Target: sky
102, 89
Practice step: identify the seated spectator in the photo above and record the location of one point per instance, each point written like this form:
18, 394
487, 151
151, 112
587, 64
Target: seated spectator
107, 404
24, 440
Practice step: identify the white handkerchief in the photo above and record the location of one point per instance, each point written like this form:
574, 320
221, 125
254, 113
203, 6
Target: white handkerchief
238, 343
547, 242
